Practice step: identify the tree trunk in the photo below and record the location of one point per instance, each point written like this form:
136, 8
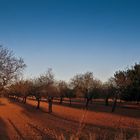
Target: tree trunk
91, 101
87, 102
120, 101
106, 101
114, 104
70, 101
50, 105
38, 103
25, 100
17, 98
61, 100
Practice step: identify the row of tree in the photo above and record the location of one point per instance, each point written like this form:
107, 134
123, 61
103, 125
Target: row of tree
46, 87
125, 85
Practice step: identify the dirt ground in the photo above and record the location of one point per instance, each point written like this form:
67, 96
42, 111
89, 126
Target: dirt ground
23, 122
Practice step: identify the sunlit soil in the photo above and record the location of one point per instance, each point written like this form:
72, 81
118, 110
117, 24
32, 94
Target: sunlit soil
123, 118
24, 121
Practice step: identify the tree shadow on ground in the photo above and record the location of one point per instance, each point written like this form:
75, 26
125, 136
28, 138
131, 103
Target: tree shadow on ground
95, 106
122, 109
75, 124
54, 118
3, 130
2, 104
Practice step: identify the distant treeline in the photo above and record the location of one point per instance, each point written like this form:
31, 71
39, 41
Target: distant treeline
124, 85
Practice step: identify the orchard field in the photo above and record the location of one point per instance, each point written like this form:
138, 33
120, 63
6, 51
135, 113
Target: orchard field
25, 122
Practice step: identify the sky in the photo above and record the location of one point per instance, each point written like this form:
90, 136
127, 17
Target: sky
72, 36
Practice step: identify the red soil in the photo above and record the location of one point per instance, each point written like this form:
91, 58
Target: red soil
23, 121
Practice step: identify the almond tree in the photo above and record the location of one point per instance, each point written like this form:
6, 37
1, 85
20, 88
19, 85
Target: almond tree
109, 89
49, 88
62, 87
14, 91
86, 84
11, 67
70, 94
35, 91
25, 89
51, 91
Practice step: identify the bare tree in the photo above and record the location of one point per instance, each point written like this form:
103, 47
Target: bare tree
62, 86
70, 94
51, 91
35, 91
20, 89
48, 87
10, 67
25, 89
109, 89
14, 91
86, 84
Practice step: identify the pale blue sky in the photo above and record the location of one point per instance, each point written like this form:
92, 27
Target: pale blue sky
72, 36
